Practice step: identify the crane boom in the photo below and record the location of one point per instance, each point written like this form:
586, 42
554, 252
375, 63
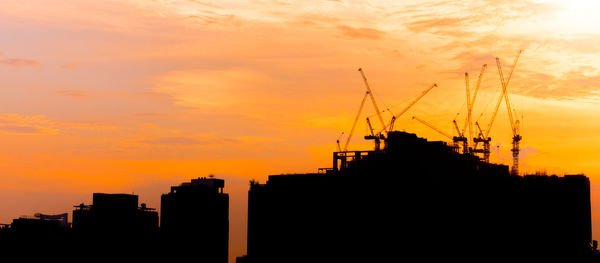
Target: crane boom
338, 142
483, 68
391, 128
409, 106
362, 73
472, 102
487, 132
514, 125
362, 104
432, 127
370, 126
457, 129
480, 130
505, 93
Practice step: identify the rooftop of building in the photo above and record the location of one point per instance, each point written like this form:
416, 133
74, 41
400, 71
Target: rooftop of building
201, 183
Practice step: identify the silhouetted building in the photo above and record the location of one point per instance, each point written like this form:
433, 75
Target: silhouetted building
39, 225
29, 236
115, 214
195, 218
417, 200
242, 259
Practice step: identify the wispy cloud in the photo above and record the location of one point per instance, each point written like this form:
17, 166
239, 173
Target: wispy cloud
202, 140
20, 129
173, 141
20, 62
363, 32
75, 93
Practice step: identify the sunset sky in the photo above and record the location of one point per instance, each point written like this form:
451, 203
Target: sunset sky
134, 96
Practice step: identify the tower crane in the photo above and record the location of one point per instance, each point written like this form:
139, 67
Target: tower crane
486, 144
385, 127
468, 120
376, 137
514, 124
368, 93
461, 138
470, 103
516, 136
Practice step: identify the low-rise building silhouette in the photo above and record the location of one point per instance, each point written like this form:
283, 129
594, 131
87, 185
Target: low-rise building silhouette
39, 225
195, 218
114, 214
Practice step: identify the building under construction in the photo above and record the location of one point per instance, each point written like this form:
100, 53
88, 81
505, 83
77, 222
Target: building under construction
417, 199
410, 198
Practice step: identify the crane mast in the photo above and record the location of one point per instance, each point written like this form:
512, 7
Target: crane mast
514, 124
487, 133
460, 138
469, 120
373, 136
486, 143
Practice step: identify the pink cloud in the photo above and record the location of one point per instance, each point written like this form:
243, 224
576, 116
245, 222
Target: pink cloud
20, 62
75, 93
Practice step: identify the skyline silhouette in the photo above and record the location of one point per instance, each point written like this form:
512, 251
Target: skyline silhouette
447, 206
136, 96
194, 226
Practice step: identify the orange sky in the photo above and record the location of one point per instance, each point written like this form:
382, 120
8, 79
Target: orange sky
135, 95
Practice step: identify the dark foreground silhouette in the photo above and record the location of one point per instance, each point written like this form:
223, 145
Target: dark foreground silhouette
413, 201
194, 227
418, 201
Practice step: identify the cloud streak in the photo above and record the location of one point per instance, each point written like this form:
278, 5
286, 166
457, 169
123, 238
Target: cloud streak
20, 129
173, 141
20, 62
361, 33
